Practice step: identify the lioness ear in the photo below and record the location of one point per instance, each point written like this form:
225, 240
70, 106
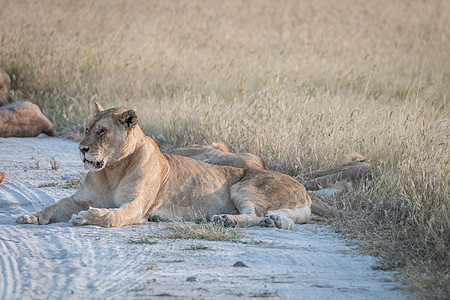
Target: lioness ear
96, 108
128, 118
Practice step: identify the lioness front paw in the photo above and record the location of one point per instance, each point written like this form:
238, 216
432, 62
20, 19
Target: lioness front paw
33, 219
92, 216
79, 219
225, 220
26, 219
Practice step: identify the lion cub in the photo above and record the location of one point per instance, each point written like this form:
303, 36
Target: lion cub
129, 178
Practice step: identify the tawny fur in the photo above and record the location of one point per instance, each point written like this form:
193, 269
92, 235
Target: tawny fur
325, 184
23, 119
350, 172
218, 154
220, 147
129, 178
5, 87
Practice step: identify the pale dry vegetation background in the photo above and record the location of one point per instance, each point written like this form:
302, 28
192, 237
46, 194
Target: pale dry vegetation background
301, 83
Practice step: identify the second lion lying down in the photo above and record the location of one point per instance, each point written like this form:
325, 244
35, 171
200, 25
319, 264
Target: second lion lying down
129, 178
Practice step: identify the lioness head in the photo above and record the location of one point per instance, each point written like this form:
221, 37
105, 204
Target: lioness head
108, 137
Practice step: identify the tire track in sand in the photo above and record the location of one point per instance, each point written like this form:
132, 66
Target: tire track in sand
128, 274
15, 199
9, 285
19, 199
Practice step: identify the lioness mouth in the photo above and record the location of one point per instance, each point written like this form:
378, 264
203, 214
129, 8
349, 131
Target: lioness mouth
97, 164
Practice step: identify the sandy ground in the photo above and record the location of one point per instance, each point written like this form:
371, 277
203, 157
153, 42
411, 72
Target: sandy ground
60, 261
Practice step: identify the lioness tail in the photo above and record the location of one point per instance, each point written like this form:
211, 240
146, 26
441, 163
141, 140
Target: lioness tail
320, 208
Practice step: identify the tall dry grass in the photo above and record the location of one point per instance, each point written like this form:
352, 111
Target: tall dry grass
301, 83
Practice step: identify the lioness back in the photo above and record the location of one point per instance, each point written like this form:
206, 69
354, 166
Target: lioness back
218, 154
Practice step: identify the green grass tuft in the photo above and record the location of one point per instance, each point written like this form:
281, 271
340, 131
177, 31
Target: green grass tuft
154, 218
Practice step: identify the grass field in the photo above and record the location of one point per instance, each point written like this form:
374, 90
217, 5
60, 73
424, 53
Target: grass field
301, 83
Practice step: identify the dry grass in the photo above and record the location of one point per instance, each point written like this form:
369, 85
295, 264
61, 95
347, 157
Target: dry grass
66, 184
204, 231
301, 83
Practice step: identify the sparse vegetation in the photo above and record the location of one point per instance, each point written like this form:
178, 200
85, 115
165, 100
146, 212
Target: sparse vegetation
139, 289
197, 247
266, 294
184, 230
154, 218
54, 164
143, 240
66, 184
207, 231
301, 83
36, 163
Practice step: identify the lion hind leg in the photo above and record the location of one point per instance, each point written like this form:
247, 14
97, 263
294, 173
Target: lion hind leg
242, 220
247, 215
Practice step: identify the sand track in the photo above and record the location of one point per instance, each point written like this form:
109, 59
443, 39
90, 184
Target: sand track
60, 261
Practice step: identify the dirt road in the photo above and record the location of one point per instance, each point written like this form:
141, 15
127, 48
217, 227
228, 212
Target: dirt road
61, 261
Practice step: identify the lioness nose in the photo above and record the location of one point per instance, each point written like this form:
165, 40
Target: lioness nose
84, 150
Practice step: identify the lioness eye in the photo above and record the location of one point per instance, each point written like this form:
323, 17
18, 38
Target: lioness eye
102, 131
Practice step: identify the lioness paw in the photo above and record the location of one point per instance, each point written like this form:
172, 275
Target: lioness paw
267, 222
26, 219
79, 219
225, 220
34, 219
92, 216
278, 221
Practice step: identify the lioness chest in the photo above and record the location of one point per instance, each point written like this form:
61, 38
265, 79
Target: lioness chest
194, 188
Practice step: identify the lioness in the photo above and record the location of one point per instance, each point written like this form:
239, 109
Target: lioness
129, 178
23, 119
324, 184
